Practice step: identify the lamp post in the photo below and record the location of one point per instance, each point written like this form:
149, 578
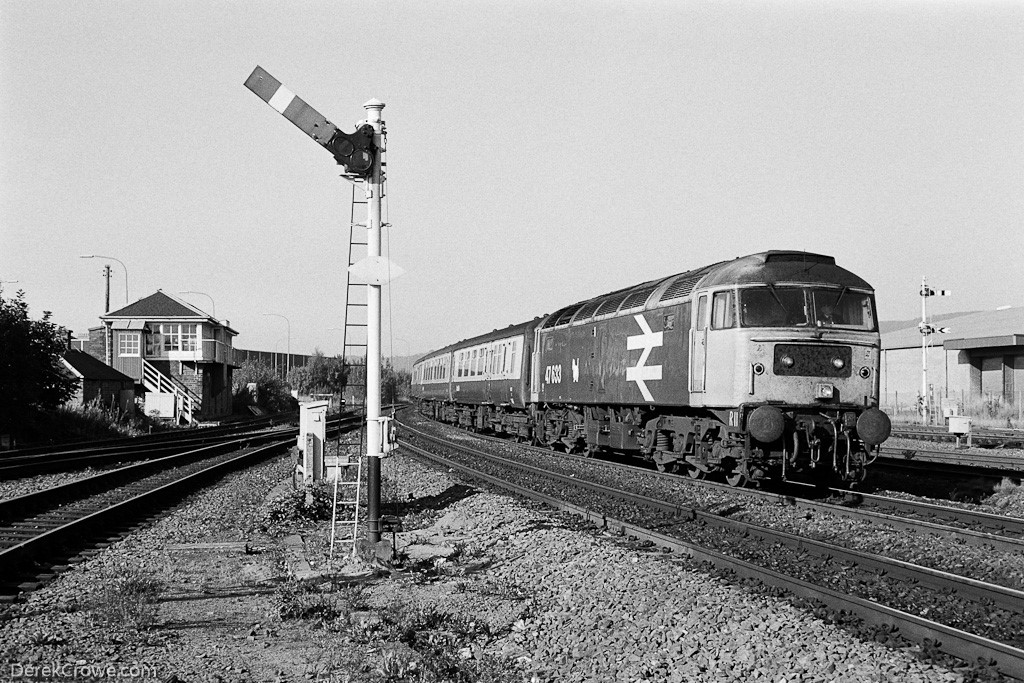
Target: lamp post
108, 281
288, 360
212, 304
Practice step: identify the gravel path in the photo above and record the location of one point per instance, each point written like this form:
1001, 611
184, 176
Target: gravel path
506, 592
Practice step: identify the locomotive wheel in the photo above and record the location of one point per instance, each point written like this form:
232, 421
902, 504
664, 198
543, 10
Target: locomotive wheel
737, 479
695, 472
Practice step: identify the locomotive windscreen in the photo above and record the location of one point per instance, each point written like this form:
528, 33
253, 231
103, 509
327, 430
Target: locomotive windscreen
802, 306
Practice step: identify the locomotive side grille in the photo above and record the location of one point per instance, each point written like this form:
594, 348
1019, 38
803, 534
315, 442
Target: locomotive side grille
554, 318
588, 310
806, 360
638, 297
566, 315
611, 304
682, 286
685, 282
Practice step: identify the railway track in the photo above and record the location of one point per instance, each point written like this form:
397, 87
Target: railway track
962, 525
17, 464
992, 462
238, 427
42, 532
879, 589
985, 437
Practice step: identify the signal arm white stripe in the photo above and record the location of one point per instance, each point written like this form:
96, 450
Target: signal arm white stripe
281, 99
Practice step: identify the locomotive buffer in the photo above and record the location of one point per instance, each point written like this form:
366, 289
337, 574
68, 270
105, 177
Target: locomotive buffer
359, 154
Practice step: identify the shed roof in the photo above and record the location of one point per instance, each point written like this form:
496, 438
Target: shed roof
978, 329
87, 367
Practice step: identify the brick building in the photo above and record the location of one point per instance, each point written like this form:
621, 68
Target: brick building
179, 356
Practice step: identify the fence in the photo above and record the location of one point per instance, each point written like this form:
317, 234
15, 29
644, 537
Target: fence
987, 409
280, 362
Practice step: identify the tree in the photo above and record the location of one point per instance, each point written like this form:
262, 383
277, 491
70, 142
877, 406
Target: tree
394, 384
320, 375
32, 376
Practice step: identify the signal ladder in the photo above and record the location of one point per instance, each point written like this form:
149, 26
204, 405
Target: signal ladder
351, 447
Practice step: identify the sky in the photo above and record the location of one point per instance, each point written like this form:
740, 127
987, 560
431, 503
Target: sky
539, 153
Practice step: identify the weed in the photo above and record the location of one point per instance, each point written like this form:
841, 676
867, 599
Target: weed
127, 598
303, 601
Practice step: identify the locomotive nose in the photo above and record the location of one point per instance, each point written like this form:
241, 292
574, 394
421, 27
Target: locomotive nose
766, 423
873, 426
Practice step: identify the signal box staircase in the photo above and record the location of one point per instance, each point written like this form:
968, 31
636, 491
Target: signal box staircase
187, 404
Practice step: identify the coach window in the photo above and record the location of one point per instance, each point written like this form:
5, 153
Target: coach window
722, 311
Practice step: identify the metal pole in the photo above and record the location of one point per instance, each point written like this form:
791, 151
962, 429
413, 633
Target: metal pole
924, 349
373, 435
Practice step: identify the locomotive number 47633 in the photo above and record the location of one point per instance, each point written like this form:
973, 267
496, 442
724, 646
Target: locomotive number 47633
553, 374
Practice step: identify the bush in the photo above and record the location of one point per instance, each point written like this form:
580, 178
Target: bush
311, 503
79, 423
271, 392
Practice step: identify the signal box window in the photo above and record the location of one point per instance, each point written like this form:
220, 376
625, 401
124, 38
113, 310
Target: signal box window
128, 344
722, 316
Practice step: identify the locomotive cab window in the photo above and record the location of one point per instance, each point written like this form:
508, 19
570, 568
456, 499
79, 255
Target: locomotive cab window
722, 316
843, 308
799, 306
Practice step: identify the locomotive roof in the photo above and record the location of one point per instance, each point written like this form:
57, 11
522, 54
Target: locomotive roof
768, 267
783, 266
764, 267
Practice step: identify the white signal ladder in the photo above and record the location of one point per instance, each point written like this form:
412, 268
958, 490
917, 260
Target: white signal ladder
346, 496
354, 348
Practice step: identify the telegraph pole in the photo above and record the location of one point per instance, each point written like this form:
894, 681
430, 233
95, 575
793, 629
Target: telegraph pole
106, 274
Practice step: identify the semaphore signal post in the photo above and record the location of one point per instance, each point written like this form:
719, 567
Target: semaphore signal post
360, 154
927, 329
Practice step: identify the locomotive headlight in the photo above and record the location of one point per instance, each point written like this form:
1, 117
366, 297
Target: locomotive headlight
865, 372
838, 363
787, 361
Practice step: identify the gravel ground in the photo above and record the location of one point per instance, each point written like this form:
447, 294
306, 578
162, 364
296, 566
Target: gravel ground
1002, 625
492, 589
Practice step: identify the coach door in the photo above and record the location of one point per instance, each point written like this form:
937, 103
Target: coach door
699, 345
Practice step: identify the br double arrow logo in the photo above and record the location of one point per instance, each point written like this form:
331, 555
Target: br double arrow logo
642, 372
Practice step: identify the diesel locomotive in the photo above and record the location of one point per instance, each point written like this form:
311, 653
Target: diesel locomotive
762, 367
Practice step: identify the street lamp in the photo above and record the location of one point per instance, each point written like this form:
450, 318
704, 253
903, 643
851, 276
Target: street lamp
212, 304
288, 361
122, 265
